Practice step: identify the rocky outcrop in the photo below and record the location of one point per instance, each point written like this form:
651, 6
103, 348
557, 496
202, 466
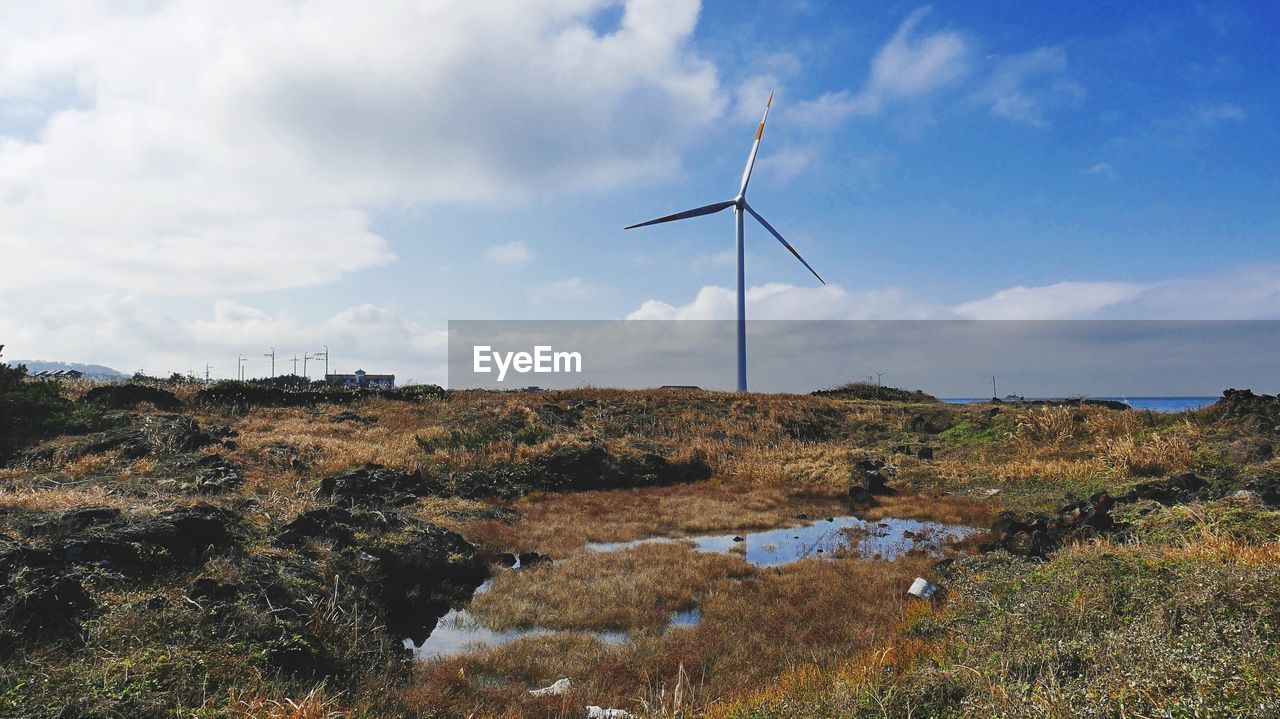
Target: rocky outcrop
129, 396
144, 435
1037, 535
41, 597
868, 478
1259, 411
416, 570
576, 468
374, 484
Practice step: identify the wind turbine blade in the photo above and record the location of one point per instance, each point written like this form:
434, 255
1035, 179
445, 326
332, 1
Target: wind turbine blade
785, 244
707, 210
755, 147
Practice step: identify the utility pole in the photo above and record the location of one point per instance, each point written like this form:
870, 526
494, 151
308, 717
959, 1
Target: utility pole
325, 355
295, 365
240, 367
272, 355
207, 367
306, 357
994, 393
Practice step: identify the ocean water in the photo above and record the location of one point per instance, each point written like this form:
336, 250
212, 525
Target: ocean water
1155, 404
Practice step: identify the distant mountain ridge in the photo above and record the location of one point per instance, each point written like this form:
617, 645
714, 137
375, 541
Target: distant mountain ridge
93, 371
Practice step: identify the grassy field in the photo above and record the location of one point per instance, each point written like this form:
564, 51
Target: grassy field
219, 558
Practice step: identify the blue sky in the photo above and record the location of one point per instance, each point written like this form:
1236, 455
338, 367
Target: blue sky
182, 185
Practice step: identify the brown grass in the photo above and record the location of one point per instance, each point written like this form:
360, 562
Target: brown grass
634, 588
947, 509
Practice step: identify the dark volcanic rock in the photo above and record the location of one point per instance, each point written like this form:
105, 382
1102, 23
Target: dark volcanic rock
1174, 490
285, 456
576, 469
869, 474
1036, 535
337, 525
422, 575
374, 484
185, 532
349, 416
528, 559
83, 517
104, 551
859, 495
216, 475
1266, 487
40, 596
129, 396
1262, 412
930, 423
1251, 450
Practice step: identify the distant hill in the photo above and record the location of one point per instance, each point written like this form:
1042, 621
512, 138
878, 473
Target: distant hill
92, 371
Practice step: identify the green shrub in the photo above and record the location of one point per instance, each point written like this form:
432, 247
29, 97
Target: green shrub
32, 411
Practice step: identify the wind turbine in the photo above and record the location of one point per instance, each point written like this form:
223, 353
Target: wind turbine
739, 205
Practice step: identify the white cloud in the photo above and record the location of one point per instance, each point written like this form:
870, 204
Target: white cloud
512, 253
1101, 168
787, 163
751, 96
906, 68
199, 148
724, 258
574, 288
1063, 300
1248, 292
1023, 87
778, 301
1207, 116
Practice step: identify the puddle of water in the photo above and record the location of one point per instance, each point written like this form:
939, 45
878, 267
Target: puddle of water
887, 539
687, 618
461, 631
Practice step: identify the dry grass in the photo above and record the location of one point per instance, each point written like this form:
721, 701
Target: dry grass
634, 588
1158, 455
1047, 425
314, 705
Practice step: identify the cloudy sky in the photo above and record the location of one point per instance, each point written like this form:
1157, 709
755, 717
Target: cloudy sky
184, 181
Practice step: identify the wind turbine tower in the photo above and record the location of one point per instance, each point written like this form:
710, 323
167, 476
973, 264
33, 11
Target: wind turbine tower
740, 206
